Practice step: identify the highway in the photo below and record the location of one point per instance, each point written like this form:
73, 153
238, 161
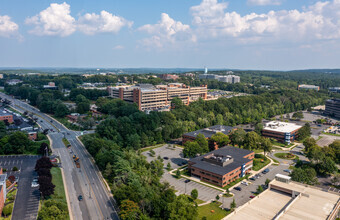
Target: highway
86, 180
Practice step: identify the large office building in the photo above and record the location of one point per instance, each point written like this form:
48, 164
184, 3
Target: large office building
221, 78
333, 108
334, 89
281, 131
222, 166
207, 132
149, 97
308, 87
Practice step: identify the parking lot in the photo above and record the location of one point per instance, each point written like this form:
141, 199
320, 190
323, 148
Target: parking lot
27, 200
169, 154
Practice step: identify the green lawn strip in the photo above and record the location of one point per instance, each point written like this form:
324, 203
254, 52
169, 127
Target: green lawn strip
67, 124
338, 135
151, 147
283, 156
206, 211
236, 181
258, 164
198, 201
66, 142
282, 144
57, 180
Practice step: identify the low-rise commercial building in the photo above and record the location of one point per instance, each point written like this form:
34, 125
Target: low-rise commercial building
149, 97
169, 76
312, 87
281, 131
207, 132
333, 108
223, 166
5, 116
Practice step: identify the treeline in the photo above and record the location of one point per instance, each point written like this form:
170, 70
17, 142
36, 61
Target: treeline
135, 183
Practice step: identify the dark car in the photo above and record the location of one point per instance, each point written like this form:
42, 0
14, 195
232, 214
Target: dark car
238, 188
265, 171
80, 197
166, 158
252, 178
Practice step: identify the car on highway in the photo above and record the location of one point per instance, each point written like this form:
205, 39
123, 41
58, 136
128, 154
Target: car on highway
80, 197
238, 188
265, 171
51, 121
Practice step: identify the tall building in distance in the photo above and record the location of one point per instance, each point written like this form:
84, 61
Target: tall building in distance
311, 87
333, 108
221, 78
157, 98
205, 70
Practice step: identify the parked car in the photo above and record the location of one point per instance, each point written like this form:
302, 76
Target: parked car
166, 158
252, 196
245, 183
252, 178
80, 197
238, 188
265, 171
35, 179
287, 171
34, 184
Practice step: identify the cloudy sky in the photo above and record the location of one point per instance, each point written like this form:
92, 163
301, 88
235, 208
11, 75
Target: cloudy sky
244, 34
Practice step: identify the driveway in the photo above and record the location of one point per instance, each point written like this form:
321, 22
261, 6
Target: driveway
27, 199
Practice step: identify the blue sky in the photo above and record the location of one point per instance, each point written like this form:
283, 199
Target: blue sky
243, 34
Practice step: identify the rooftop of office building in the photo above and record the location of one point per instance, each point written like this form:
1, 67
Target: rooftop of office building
222, 161
279, 126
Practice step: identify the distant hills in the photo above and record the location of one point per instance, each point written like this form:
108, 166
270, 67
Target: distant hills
61, 70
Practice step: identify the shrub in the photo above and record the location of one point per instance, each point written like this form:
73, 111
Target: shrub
8, 209
15, 169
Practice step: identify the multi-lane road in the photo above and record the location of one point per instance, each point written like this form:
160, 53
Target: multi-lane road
86, 181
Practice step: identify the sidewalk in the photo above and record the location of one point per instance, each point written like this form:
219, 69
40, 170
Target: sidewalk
287, 148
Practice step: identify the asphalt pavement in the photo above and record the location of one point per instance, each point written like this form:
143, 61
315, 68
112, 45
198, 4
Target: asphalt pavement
85, 181
27, 199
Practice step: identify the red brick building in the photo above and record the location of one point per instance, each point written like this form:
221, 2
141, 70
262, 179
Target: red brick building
6, 116
222, 166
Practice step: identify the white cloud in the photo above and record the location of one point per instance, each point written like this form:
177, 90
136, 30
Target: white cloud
53, 21
105, 22
264, 2
8, 28
118, 47
319, 21
167, 31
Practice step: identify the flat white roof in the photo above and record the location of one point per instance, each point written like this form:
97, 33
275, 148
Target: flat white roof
279, 126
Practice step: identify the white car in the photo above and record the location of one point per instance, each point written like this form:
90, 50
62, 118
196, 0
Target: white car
245, 183
34, 184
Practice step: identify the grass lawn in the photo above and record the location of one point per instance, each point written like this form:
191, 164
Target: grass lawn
212, 211
57, 180
68, 124
285, 156
338, 135
259, 163
66, 142
151, 147
281, 144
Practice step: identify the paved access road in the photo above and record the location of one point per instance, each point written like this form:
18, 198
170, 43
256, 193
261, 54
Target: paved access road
86, 181
27, 199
